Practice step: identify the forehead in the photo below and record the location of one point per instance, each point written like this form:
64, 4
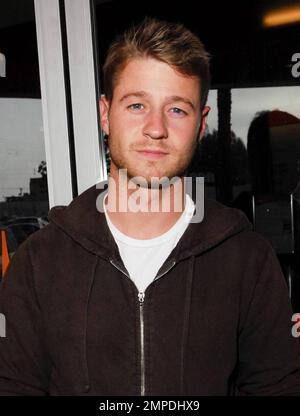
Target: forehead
157, 79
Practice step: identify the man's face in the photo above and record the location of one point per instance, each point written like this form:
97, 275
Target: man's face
153, 120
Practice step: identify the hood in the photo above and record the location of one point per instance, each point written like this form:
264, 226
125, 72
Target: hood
83, 223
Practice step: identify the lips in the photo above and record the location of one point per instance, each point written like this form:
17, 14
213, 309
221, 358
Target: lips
155, 151
152, 153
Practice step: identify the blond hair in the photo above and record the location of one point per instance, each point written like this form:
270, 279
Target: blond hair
168, 42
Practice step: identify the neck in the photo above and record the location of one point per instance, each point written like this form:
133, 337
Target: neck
142, 212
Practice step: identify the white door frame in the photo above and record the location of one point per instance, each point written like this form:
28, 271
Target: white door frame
89, 150
53, 101
88, 142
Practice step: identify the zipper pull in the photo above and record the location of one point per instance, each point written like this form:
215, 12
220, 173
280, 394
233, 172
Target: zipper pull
141, 296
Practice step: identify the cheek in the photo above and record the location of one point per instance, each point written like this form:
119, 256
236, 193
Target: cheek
126, 124
122, 135
184, 134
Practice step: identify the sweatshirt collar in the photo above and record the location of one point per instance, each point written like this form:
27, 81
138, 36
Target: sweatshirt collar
82, 222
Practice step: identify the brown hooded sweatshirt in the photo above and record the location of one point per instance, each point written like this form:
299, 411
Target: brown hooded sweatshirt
215, 321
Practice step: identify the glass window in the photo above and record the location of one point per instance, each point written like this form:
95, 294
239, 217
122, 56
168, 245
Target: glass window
23, 173
250, 154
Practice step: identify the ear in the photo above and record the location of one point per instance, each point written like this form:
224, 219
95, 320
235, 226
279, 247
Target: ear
104, 114
204, 115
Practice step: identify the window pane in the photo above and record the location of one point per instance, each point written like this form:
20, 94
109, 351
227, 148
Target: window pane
254, 99
23, 175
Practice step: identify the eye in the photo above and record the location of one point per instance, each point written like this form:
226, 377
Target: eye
136, 106
178, 111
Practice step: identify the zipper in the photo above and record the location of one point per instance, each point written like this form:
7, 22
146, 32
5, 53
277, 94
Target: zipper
166, 269
119, 267
141, 299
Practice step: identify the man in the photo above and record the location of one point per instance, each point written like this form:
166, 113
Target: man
134, 301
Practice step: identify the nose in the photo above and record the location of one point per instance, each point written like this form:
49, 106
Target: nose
155, 125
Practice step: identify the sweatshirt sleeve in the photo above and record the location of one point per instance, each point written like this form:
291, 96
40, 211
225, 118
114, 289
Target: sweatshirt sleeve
269, 355
23, 359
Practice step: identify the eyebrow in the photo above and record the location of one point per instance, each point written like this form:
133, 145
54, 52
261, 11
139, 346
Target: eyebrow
172, 98
176, 98
139, 94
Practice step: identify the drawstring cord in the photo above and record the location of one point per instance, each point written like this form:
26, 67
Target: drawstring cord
188, 295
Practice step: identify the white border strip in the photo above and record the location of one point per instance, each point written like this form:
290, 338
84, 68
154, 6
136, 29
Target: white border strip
53, 101
90, 161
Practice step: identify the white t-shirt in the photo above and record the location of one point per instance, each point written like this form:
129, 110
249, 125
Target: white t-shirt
143, 258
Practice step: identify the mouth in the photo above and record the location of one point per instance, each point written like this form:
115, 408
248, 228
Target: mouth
152, 154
